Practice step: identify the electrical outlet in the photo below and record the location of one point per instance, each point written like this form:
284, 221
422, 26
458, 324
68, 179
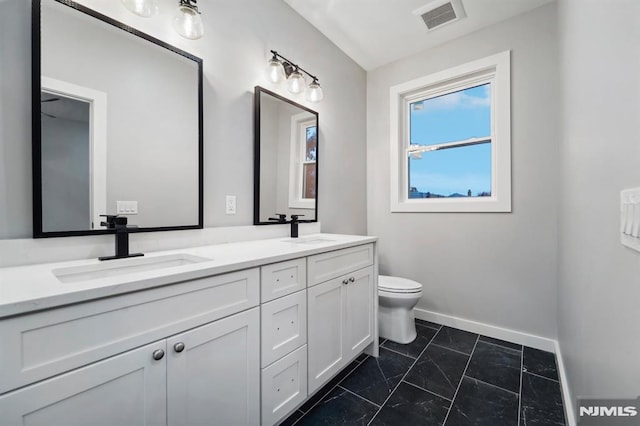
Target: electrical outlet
230, 204
126, 207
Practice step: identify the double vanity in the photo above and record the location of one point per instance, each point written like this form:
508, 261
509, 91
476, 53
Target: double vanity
230, 334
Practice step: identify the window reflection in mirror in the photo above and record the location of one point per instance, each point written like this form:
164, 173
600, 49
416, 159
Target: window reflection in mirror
286, 160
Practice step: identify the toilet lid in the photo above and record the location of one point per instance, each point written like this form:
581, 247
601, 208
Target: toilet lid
398, 285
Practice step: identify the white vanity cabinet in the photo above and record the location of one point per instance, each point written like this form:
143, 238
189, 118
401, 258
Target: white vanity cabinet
245, 344
341, 310
211, 371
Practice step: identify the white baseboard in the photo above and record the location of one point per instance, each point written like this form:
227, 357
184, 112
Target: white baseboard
567, 399
518, 337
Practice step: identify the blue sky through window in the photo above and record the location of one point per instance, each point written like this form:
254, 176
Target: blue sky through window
452, 117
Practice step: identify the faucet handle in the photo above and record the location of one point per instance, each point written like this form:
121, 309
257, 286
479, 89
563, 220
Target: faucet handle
294, 217
113, 220
282, 218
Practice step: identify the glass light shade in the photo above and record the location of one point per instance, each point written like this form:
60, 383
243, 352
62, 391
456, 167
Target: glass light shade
188, 23
314, 92
275, 71
144, 8
295, 82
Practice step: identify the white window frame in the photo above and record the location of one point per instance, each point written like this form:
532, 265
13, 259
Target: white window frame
493, 69
299, 124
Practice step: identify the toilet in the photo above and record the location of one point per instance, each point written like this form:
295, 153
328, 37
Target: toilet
397, 297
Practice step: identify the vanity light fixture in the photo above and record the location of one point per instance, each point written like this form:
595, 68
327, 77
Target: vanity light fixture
144, 8
279, 68
187, 22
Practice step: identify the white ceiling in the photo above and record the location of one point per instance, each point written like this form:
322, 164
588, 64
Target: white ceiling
376, 32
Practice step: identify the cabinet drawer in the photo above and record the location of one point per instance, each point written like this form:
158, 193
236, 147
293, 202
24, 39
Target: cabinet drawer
325, 266
284, 386
280, 279
40, 345
284, 326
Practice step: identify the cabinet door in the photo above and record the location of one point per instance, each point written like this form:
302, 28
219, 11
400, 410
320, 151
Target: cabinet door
359, 313
213, 373
325, 331
127, 389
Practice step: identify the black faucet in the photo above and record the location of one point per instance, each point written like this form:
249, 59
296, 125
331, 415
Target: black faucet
282, 218
119, 223
294, 225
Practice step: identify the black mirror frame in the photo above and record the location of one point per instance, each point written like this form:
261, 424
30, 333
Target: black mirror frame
36, 88
256, 152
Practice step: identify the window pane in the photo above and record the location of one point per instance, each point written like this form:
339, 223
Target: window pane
452, 117
311, 144
309, 184
454, 172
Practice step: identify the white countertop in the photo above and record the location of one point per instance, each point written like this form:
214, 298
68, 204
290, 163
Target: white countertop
35, 287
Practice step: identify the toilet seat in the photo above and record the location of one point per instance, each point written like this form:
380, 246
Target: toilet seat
389, 284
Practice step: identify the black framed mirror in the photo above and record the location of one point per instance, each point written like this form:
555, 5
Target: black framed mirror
286, 141
117, 125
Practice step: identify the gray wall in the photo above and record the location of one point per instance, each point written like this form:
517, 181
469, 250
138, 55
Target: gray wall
235, 51
599, 285
497, 269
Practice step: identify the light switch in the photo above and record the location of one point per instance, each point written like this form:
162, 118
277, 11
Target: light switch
230, 204
127, 207
630, 218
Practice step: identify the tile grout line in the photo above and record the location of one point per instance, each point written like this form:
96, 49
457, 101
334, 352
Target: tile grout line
399, 353
502, 347
461, 379
542, 377
403, 377
521, 379
455, 350
359, 396
304, 413
490, 384
426, 390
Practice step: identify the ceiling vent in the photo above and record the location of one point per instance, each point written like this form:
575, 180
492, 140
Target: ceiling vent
439, 13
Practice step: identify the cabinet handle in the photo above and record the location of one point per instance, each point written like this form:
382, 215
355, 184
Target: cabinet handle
178, 347
158, 354
351, 279
345, 281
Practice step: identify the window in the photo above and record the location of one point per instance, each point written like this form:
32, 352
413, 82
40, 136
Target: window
304, 146
450, 140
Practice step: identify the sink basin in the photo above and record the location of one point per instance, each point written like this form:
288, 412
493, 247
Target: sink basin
114, 268
309, 240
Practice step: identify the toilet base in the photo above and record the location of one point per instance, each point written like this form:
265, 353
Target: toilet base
397, 324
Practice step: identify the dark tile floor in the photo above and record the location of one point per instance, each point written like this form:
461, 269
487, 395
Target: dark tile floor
444, 377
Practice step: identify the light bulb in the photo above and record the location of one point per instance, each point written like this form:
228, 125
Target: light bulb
275, 70
314, 92
144, 8
187, 21
295, 82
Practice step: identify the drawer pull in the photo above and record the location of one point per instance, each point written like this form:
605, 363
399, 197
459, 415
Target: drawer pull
158, 354
345, 281
351, 279
178, 347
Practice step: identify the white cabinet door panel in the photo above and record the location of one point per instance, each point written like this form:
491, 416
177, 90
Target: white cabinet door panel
326, 327
359, 311
127, 389
215, 379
